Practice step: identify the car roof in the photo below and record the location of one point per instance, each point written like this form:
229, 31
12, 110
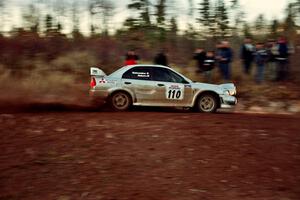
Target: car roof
123, 69
119, 73
146, 65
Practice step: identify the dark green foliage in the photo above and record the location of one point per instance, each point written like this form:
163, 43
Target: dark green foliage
290, 18
274, 29
205, 13
143, 20
173, 26
161, 12
234, 3
101, 12
260, 23
31, 18
59, 27
214, 18
289, 25
246, 31
221, 18
49, 23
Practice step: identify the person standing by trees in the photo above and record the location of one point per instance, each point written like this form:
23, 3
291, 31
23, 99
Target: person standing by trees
271, 67
261, 56
131, 58
199, 56
224, 57
208, 65
161, 58
247, 51
282, 59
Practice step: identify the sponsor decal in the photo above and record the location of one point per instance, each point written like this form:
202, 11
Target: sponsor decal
175, 92
142, 74
102, 81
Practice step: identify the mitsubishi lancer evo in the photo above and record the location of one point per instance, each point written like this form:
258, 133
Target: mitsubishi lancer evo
159, 86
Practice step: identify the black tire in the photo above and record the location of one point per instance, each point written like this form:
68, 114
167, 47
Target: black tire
120, 101
207, 103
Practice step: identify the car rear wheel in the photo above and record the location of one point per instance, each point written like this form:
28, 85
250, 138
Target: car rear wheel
207, 103
120, 101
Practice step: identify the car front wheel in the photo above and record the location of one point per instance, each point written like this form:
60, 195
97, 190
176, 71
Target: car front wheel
120, 101
207, 103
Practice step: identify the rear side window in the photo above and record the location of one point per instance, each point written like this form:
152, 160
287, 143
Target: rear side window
139, 73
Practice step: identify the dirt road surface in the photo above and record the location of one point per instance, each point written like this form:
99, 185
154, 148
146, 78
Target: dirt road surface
169, 155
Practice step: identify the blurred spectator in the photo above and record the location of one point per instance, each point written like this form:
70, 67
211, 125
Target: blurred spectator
271, 67
208, 66
282, 59
131, 58
247, 51
199, 56
161, 58
261, 57
224, 57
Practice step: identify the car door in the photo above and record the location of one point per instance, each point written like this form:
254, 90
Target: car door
139, 81
171, 88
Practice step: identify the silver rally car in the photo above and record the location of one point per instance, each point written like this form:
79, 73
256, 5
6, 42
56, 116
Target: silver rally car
155, 85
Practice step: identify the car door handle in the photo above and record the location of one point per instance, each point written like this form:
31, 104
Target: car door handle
160, 85
127, 83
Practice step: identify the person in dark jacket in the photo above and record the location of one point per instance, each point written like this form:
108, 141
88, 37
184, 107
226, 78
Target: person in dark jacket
161, 58
131, 58
247, 51
282, 59
224, 57
199, 56
208, 65
261, 57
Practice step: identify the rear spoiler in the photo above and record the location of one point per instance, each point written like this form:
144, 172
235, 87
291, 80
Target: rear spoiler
94, 71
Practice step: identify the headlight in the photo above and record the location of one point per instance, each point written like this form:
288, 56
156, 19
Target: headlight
230, 92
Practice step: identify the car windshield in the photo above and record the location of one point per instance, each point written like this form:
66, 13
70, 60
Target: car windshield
167, 75
182, 76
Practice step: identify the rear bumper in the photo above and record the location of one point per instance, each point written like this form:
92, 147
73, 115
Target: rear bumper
228, 101
98, 95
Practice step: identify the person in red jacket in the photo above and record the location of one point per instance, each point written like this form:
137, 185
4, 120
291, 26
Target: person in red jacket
131, 58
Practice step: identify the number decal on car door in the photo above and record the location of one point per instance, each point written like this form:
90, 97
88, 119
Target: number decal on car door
175, 92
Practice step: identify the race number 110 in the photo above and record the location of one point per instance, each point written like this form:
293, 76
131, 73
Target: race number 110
174, 94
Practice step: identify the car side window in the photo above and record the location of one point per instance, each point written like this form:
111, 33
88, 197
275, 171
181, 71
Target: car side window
161, 74
166, 75
139, 73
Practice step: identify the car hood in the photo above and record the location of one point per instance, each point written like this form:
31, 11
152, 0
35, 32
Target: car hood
227, 86
213, 87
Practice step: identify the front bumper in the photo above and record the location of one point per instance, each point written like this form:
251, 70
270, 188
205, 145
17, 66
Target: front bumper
228, 101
